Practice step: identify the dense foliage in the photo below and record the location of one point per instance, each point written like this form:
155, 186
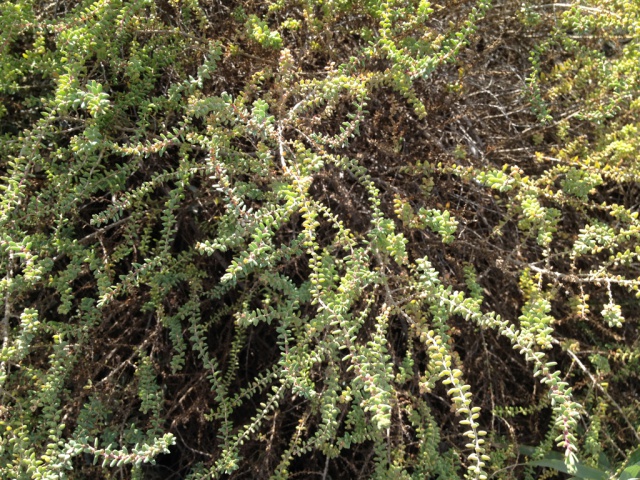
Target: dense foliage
332, 238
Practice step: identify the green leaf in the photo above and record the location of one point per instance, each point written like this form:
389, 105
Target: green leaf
555, 461
632, 470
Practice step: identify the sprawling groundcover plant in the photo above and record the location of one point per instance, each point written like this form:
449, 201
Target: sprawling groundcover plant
319, 239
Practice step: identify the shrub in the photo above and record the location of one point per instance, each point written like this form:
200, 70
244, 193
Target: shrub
348, 239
